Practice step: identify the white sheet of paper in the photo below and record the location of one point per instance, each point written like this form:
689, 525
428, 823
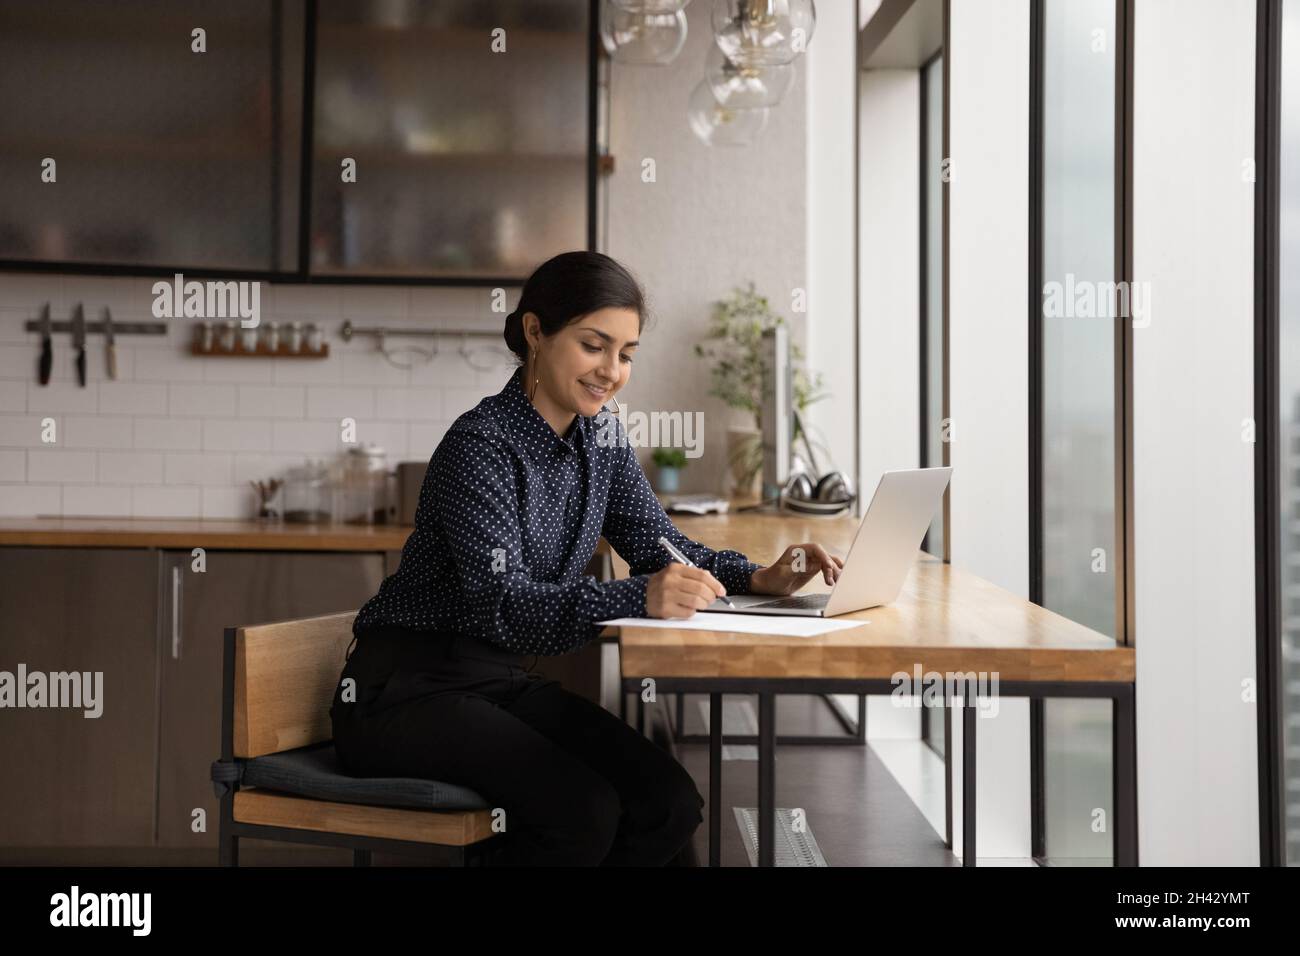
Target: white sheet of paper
744, 623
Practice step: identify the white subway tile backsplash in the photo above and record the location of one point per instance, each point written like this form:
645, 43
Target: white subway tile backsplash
200, 400
463, 303
446, 370
316, 439
131, 398
29, 292
59, 397
390, 436
13, 395
229, 502
239, 371
27, 501
97, 501
303, 371
164, 363
130, 468
236, 434
255, 466
197, 468
423, 438
98, 431
272, 401
130, 297
13, 465
168, 433
163, 502
59, 465
364, 303
303, 302
337, 403
457, 401
363, 365
182, 435
408, 404
19, 361
28, 431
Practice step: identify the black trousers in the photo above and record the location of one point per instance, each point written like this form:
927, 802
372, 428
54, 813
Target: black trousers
578, 786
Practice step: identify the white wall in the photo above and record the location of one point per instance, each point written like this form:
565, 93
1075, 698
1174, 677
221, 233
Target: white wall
889, 297
1193, 381
988, 379
714, 217
889, 271
832, 81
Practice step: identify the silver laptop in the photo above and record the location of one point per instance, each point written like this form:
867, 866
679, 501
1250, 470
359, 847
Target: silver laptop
880, 557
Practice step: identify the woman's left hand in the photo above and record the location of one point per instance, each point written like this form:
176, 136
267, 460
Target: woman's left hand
796, 567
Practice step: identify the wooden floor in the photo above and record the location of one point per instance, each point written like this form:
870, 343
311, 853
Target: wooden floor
857, 812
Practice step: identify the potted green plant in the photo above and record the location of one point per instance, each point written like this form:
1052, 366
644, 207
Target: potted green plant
669, 463
735, 346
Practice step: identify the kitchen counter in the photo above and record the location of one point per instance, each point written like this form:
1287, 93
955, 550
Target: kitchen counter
249, 535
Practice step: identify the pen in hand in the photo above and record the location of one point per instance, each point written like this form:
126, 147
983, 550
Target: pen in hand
678, 556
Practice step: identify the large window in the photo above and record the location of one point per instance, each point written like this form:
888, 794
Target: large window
1289, 417
1076, 551
932, 281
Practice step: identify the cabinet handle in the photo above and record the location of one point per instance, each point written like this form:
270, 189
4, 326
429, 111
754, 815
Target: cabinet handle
176, 612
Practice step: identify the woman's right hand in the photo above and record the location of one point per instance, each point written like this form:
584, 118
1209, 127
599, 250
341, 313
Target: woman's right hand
680, 590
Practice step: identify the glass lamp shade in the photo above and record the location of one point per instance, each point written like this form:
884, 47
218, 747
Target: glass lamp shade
651, 6
647, 39
763, 32
719, 125
745, 87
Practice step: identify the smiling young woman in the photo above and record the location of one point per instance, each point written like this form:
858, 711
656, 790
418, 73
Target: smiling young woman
516, 497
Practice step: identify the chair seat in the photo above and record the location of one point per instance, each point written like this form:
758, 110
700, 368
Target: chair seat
436, 827
314, 771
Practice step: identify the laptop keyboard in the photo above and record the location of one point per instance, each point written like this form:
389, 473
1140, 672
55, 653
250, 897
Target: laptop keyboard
801, 602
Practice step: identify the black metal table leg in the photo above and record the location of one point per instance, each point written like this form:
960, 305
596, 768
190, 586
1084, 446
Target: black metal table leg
968, 780
715, 779
766, 779
1124, 777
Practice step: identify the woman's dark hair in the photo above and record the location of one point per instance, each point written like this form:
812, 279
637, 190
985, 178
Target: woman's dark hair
569, 286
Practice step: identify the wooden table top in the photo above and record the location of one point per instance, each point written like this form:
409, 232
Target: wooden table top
249, 535
946, 620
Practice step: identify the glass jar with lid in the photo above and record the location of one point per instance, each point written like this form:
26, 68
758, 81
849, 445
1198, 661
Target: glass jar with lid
361, 486
307, 494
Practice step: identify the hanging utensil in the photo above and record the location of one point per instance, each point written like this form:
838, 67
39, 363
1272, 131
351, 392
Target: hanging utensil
79, 341
110, 348
46, 362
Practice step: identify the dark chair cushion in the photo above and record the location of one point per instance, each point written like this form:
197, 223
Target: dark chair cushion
314, 772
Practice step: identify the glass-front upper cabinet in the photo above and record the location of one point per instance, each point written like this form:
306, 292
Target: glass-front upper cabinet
150, 133
450, 138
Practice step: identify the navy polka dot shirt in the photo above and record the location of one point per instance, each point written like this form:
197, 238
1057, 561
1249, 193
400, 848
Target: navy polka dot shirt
508, 518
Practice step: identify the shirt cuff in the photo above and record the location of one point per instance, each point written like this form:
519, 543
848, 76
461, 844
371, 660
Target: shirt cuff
622, 598
734, 571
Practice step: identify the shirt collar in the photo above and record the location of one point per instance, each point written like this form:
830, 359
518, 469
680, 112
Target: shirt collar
523, 419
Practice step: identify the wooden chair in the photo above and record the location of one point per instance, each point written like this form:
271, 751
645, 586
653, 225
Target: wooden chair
278, 777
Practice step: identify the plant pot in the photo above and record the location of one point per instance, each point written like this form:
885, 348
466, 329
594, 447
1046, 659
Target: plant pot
745, 460
667, 480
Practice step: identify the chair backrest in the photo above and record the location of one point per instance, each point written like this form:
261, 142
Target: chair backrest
285, 675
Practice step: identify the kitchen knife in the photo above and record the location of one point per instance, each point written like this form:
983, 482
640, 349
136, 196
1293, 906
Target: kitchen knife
79, 341
47, 347
110, 349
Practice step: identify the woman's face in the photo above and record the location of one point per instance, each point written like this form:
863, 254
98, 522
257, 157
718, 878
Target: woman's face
585, 363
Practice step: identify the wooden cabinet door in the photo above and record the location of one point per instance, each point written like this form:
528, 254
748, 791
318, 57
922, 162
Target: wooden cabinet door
236, 588
72, 780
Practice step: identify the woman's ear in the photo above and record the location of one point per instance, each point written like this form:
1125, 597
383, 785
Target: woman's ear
532, 328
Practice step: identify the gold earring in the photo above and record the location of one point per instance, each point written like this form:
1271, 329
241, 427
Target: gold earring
535, 379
